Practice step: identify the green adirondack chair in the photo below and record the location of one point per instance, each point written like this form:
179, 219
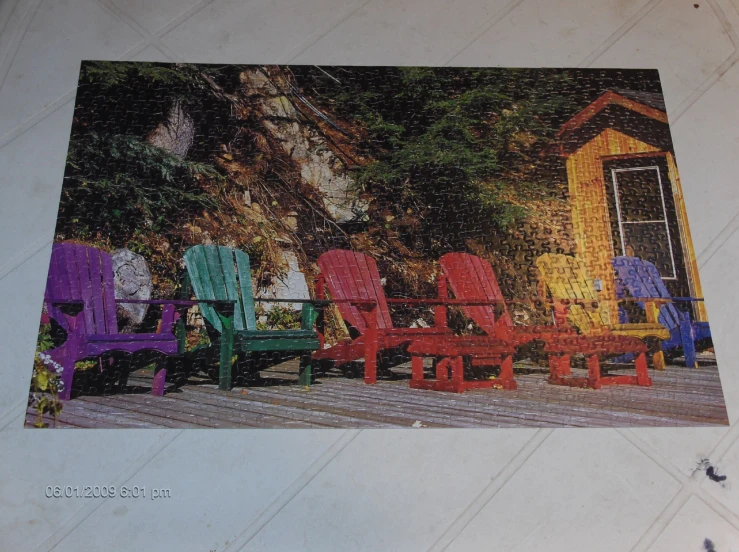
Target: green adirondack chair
222, 277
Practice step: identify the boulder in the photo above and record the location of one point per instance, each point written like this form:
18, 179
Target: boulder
176, 134
291, 285
132, 281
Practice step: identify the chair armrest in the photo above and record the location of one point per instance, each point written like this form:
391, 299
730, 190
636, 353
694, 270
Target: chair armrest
176, 302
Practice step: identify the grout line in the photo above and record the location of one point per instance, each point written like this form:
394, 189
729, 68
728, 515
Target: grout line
28, 124
124, 17
691, 486
8, 14
646, 449
679, 111
312, 40
725, 23
487, 494
730, 12
292, 491
15, 41
165, 50
619, 33
661, 522
180, 19
20, 263
675, 114
481, 30
677, 502
6, 419
724, 444
64, 530
717, 242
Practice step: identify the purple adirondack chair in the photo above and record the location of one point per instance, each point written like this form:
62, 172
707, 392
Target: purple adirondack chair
80, 298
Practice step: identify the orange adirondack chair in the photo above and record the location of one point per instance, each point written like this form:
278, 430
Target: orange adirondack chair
472, 278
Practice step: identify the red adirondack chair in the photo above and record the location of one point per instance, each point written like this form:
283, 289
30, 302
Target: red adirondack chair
354, 283
472, 278
80, 298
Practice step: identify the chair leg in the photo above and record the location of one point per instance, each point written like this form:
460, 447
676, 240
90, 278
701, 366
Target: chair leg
160, 377
66, 356
594, 372
305, 370
658, 359
687, 337
506, 373
224, 362
457, 373
417, 368
642, 374
371, 348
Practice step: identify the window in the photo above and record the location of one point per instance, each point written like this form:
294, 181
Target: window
642, 217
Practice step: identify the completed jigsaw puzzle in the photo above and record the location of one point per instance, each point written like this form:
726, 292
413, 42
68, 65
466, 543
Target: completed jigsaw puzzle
303, 246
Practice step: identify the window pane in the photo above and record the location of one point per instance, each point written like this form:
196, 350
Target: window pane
639, 195
648, 240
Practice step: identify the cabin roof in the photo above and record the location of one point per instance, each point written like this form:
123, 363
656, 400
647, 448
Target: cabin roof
612, 109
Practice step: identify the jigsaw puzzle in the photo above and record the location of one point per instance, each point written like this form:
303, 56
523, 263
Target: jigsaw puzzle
303, 246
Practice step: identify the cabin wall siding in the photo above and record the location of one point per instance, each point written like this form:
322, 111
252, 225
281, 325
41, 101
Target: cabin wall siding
590, 217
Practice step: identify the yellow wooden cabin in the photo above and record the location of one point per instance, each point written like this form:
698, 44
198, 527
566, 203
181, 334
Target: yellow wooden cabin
625, 193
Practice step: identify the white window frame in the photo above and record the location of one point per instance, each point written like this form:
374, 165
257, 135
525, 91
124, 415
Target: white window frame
664, 213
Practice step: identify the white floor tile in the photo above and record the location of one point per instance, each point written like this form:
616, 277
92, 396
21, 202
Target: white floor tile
727, 491
220, 481
151, 54
33, 170
697, 527
354, 504
153, 15
12, 14
722, 303
46, 65
706, 139
256, 31
388, 32
684, 447
22, 291
549, 33
581, 490
686, 44
33, 459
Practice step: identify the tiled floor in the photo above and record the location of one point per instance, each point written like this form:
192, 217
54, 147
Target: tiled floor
523, 489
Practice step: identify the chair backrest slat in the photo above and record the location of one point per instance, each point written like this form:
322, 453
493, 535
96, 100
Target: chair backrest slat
246, 304
567, 277
473, 278
354, 276
641, 279
82, 273
214, 277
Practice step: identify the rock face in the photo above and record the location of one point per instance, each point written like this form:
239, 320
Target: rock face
319, 166
132, 281
175, 134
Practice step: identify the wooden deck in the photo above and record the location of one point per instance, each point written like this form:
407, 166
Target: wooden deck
679, 397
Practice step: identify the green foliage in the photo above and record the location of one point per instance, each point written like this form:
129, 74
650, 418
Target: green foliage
278, 318
118, 185
45, 381
452, 145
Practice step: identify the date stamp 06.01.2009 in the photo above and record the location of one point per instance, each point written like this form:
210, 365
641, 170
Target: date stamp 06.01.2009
106, 491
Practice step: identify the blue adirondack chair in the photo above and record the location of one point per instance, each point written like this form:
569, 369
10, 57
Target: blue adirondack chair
640, 278
80, 298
